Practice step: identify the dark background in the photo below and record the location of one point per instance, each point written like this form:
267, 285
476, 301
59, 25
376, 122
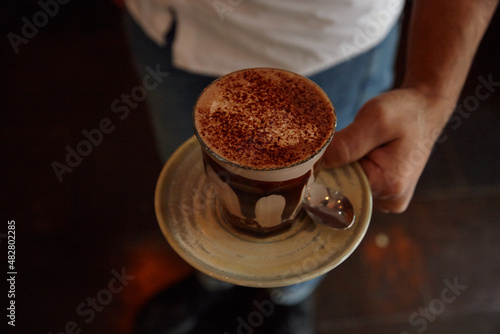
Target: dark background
72, 236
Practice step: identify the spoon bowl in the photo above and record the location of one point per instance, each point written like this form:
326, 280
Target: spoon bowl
329, 207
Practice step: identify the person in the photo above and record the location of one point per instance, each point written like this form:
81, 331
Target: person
347, 47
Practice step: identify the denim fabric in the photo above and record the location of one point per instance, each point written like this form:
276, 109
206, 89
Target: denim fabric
353, 82
349, 85
171, 102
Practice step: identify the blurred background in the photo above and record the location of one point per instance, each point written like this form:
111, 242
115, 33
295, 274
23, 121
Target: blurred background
89, 252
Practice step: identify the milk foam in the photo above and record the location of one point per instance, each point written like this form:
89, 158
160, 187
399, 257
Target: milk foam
264, 118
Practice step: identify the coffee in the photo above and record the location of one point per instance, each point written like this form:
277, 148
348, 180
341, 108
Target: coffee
264, 118
263, 132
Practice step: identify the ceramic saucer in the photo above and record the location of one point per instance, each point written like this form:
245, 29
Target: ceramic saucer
187, 209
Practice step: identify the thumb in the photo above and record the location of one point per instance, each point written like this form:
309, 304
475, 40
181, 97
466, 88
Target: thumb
343, 150
356, 140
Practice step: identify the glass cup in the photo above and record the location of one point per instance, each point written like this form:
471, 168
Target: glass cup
263, 133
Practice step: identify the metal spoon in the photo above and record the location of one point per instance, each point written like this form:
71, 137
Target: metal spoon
329, 207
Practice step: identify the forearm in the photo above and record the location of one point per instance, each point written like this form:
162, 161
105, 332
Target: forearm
443, 38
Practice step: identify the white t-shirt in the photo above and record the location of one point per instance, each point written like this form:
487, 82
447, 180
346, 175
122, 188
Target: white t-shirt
214, 37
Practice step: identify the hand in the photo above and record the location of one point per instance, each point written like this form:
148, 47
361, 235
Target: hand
392, 137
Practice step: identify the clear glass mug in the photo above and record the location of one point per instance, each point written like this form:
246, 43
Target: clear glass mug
263, 133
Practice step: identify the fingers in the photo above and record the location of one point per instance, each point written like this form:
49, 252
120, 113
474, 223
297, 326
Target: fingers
391, 192
391, 139
370, 129
382, 160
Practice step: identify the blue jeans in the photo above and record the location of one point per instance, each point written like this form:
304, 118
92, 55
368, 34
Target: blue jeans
349, 85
